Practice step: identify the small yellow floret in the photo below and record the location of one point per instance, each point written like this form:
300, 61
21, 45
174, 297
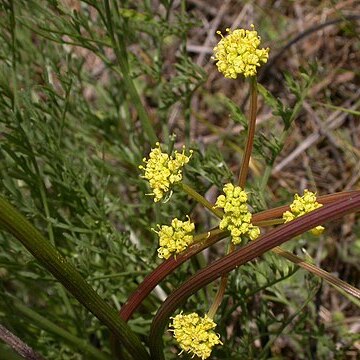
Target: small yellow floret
162, 170
237, 217
175, 238
238, 53
195, 334
301, 206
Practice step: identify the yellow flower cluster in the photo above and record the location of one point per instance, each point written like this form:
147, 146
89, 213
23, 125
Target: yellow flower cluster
195, 334
301, 206
162, 170
238, 53
237, 218
174, 238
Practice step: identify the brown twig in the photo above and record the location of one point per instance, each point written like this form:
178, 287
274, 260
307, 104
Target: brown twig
18, 345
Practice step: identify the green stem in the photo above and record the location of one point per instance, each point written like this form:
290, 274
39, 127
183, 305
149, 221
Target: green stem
16, 224
251, 133
270, 222
285, 323
44, 324
265, 177
218, 297
187, 117
268, 168
121, 51
201, 200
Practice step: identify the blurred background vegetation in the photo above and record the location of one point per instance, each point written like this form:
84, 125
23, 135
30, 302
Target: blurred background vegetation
72, 135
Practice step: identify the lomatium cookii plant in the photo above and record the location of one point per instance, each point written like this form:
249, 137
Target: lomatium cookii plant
238, 53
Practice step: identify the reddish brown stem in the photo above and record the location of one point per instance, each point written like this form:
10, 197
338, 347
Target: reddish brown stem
168, 266
239, 257
251, 133
242, 181
324, 199
163, 270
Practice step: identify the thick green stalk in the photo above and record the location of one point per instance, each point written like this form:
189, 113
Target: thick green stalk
239, 257
16, 224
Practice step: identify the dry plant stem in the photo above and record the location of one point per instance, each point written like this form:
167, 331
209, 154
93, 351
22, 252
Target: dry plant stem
18, 345
239, 257
218, 297
242, 181
318, 271
168, 266
65, 272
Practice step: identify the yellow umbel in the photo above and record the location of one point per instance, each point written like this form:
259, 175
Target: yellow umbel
237, 217
175, 238
301, 206
162, 170
195, 334
238, 53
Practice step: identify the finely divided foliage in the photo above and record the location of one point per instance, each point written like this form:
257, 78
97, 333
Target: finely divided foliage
100, 199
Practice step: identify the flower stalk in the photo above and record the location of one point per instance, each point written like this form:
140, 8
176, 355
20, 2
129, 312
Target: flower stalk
251, 133
201, 200
238, 53
239, 257
242, 181
202, 241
